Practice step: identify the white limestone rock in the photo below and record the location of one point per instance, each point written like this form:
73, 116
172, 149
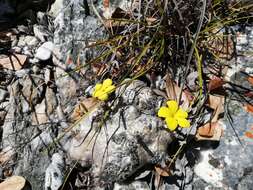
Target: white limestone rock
44, 52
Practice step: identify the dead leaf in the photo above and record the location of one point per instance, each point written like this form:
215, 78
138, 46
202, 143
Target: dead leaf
217, 104
207, 130
215, 83
14, 183
249, 108
217, 133
249, 134
162, 171
250, 79
83, 107
106, 3
14, 62
249, 94
173, 92
150, 20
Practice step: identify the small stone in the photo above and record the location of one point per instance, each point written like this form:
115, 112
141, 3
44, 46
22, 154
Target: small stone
56, 7
27, 41
36, 69
21, 73
16, 49
3, 94
27, 52
44, 52
34, 60
54, 173
38, 32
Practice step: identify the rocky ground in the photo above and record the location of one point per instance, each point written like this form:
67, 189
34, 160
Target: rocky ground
40, 87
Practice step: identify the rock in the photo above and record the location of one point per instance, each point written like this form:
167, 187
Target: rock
27, 41
44, 109
40, 32
66, 85
55, 173
209, 173
131, 133
44, 52
140, 185
16, 49
56, 7
2, 116
69, 27
3, 94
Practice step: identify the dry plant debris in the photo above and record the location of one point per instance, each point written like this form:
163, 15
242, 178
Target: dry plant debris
13, 62
14, 183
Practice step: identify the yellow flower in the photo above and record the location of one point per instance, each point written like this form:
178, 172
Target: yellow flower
174, 115
103, 90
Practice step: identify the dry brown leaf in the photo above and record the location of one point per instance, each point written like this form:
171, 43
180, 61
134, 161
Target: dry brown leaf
249, 94
83, 107
217, 133
106, 3
249, 134
217, 104
207, 130
150, 20
14, 183
14, 62
162, 171
249, 108
173, 93
215, 83
250, 79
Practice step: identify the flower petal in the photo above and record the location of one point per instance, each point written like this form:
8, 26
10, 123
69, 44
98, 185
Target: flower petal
173, 106
106, 83
110, 89
98, 86
98, 93
171, 123
181, 113
183, 122
164, 112
103, 96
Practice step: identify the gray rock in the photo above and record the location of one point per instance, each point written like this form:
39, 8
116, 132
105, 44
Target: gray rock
132, 138
56, 8
2, 117
27, 41
140, 185
40, 33
69, 33
29, 140
55, 173
3, 94
229, 165
44, 52
16, 49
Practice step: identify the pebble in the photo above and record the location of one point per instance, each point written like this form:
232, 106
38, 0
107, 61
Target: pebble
27, 41
21, 73
44, 52
3, 94
38, 32
16, 49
